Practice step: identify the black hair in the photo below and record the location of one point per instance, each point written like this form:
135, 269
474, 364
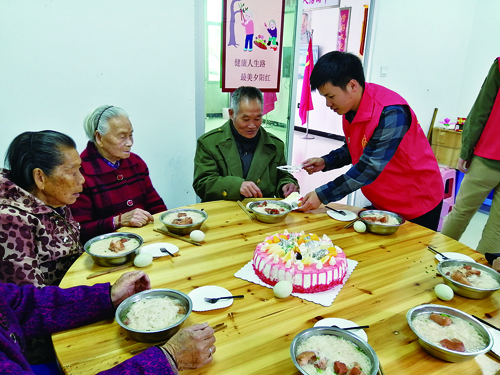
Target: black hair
31, 150
248, 93
337, 68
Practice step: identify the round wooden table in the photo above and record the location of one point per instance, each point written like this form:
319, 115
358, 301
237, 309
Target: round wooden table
394, 274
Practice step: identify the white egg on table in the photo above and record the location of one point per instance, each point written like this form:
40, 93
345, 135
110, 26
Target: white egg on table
359, 227
282, 289
443, 292
143, 260
197, 235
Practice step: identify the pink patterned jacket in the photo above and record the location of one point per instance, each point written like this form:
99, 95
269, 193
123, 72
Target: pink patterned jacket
38, 243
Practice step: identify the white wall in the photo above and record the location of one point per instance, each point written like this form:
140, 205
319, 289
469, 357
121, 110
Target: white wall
61, 59
437, 52
482, 50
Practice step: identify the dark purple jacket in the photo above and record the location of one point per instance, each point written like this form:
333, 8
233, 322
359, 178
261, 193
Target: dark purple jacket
108, 192
27, 312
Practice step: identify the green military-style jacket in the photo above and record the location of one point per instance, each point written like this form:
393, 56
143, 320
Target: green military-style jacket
218, 173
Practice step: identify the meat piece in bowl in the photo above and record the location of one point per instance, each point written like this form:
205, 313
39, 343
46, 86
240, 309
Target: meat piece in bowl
118, 245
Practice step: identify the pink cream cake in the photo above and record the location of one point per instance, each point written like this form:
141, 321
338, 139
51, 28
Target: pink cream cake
311, 264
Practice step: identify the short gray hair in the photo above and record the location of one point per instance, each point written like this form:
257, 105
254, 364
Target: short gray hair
99, 120
245, 92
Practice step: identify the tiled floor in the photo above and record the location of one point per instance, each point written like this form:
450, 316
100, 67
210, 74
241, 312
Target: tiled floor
306, 148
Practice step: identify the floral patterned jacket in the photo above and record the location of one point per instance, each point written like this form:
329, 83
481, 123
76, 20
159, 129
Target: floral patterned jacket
38, 243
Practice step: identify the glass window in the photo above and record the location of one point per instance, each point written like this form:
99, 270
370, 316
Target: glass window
214, 51
214, 19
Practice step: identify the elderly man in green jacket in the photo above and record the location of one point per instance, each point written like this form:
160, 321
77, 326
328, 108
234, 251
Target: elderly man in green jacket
240, 159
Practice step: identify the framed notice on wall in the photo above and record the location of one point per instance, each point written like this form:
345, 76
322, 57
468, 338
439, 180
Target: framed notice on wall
252, 44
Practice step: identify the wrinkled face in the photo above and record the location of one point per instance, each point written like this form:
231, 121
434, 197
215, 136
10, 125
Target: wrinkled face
338, 100
64, 184
117, 142
249, 118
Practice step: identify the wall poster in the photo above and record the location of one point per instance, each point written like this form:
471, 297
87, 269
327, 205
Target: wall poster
252, 44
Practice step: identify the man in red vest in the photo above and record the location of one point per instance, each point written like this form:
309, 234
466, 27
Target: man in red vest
480, 161
392, 161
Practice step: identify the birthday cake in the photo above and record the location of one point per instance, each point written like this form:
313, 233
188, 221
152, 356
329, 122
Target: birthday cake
311, 264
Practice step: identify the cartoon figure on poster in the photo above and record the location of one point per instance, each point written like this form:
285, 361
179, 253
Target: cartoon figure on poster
273, 33
247, 22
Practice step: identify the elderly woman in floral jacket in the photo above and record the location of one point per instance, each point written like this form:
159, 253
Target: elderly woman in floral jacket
39, 239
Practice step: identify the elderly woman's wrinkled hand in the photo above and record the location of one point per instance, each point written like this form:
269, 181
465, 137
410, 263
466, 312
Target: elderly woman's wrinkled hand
192, 347
136, 218
127, 285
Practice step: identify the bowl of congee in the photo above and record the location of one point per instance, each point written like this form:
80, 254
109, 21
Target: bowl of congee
381, 222
469, 279
330, 350
154, 315
183, 220
113, 249
448, 333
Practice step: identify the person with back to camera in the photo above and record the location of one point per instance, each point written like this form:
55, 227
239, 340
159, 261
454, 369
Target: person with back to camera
480, 162
118, 191
240, 159
392, 161
39, 239
28, 312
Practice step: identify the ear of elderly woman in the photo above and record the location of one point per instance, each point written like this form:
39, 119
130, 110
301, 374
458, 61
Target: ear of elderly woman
117, 191
61, 309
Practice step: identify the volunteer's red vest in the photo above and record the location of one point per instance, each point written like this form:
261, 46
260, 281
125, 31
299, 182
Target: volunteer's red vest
411, 183
487, 146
